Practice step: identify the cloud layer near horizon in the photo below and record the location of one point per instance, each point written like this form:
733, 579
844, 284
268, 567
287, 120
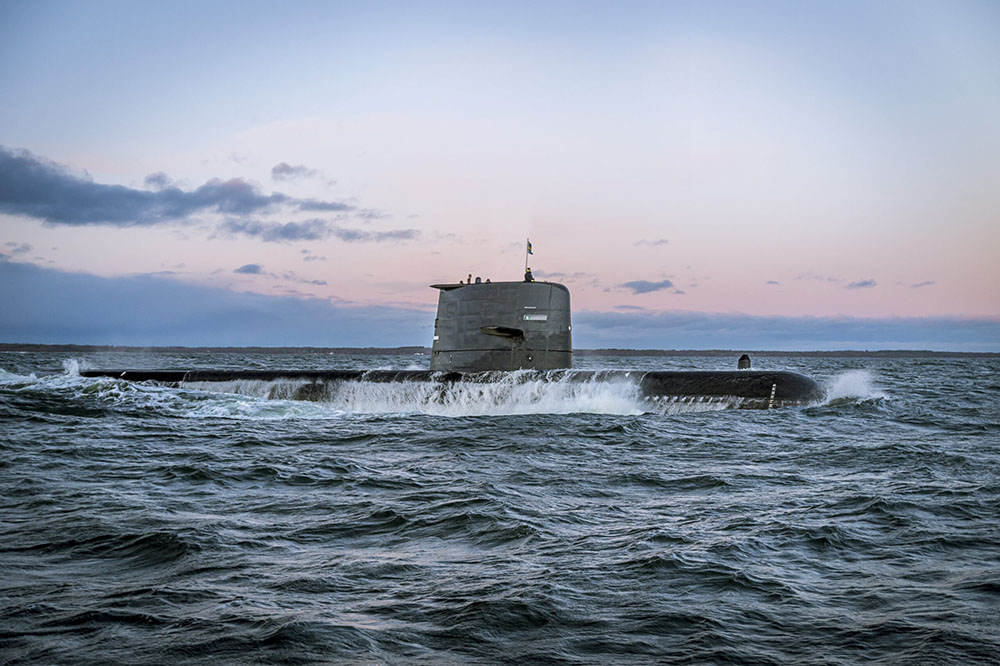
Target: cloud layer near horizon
47, 306
705, 330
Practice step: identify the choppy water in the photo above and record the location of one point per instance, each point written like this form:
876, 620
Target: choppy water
149, 525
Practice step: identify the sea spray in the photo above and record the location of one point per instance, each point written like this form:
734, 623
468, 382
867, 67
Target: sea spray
855, 385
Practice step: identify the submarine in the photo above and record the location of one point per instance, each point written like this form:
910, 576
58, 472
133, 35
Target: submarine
488, 332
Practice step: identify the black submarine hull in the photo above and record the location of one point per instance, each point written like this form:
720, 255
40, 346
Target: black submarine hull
747, 389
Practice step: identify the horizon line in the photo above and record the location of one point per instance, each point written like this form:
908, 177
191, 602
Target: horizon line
16, 347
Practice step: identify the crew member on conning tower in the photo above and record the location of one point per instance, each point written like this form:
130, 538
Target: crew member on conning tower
528, 277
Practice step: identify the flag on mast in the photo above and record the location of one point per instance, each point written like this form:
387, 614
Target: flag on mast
529, 247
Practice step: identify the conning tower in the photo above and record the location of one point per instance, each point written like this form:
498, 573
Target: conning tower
502, 326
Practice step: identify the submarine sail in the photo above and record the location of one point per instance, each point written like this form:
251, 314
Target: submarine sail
502, 326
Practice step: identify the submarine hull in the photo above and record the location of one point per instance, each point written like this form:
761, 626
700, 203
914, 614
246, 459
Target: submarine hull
747, 389
515, 333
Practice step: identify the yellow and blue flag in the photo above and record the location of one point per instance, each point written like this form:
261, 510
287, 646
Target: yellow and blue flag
529, 247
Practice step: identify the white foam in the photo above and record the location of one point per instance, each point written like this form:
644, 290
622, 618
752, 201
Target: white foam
689, 404
853, 385
9, 378
510, 393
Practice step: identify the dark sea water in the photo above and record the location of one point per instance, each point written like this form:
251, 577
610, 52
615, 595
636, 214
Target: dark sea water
522, 523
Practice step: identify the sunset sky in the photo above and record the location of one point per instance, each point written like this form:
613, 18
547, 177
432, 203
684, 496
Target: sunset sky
764, 175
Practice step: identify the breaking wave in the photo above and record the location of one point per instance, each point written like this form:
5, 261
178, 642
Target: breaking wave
853, 386
509, 394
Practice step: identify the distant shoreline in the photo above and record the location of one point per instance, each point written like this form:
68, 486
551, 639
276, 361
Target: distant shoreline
402, 351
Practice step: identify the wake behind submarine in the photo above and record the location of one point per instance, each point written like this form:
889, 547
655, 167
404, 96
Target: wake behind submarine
486, 332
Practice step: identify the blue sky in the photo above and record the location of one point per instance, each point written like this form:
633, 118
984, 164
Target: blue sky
700, 174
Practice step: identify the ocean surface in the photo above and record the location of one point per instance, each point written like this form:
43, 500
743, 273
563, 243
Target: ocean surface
558, 523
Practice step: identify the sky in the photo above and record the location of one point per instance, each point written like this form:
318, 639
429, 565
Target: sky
744, 175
